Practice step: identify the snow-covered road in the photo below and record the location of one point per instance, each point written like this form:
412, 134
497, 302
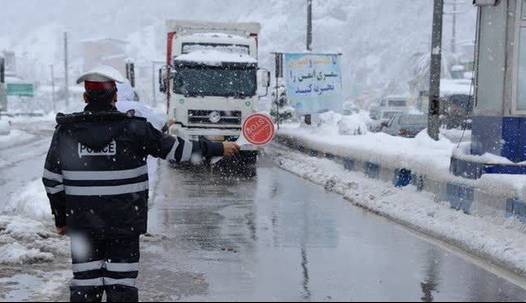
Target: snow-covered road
273, 237
33, 259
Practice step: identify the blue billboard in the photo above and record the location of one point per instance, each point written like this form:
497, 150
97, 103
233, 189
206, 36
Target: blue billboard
313, 81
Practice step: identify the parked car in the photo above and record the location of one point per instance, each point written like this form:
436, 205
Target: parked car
381, 119
388, 107
405, 125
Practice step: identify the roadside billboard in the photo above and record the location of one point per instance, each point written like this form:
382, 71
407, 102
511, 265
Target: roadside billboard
20, 89
313, 82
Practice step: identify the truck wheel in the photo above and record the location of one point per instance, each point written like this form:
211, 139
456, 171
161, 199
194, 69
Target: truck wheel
249, 157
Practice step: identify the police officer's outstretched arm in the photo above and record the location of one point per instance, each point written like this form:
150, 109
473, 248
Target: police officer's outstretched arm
53, 182
178, 149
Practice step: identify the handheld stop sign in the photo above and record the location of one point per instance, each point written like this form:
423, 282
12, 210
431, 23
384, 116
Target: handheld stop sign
258, 130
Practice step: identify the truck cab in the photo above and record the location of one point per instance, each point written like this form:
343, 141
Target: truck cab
211, 79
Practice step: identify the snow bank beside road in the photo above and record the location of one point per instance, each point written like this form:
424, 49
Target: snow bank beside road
15, 253
23, 241
15, 136
421, 153
423, 158
32, 203
500, 242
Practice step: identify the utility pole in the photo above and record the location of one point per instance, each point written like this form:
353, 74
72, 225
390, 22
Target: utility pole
278, 75
454, 29
53, 88
309, 25
308, 117
154, 97
66, 71
433, 128
454, 13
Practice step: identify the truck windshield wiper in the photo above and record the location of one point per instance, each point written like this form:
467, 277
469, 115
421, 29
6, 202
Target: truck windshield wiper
193, 94
239, 95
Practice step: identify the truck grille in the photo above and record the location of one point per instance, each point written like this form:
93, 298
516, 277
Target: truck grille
203, 117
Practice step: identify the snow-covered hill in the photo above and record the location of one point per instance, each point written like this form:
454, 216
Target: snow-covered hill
377, 37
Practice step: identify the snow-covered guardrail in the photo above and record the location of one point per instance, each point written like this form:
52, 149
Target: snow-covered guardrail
420, 162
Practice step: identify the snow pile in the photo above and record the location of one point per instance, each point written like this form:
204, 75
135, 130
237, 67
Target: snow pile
355, 124
32, 202
15, 137
421, 154
39, 286
499, 240
327, 122
15, 253
463, 151
334, 124
23, 240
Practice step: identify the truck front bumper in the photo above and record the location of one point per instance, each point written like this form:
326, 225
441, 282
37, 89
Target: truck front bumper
178, 130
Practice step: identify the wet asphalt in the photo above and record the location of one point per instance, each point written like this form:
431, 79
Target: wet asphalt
273, 237
277, 237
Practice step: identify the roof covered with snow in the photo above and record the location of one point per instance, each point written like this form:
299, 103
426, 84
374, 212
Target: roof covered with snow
217, 35
188, 27
214, 57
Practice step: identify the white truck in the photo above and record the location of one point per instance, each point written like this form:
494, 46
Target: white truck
212, 80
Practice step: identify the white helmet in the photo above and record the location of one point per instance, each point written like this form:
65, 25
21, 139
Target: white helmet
102, 73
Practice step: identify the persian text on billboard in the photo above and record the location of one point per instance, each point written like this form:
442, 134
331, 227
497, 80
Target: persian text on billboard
314, 82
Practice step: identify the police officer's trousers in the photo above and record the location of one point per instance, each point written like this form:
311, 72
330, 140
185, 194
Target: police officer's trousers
104, 264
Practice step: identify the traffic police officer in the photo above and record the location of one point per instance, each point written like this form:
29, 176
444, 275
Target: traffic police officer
96, 179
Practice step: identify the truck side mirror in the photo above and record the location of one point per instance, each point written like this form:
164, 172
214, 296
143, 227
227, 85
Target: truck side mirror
130, 73
162, 81
2, 70
263, 80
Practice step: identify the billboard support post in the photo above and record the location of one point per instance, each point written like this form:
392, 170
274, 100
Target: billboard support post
278, 75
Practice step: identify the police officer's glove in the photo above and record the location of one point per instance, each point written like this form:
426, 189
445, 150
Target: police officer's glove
230, 149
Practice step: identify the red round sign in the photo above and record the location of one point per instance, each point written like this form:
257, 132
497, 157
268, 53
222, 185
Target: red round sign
258, 129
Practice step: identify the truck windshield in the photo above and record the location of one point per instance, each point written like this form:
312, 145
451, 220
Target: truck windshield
236, 80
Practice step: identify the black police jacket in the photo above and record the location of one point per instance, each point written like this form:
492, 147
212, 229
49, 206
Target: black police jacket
96, 175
